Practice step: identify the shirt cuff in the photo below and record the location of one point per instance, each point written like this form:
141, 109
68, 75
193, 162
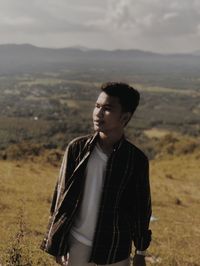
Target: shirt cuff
142, 242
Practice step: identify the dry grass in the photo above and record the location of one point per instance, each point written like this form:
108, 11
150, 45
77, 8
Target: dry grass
156, 133
159, 89
25, 186
175, 183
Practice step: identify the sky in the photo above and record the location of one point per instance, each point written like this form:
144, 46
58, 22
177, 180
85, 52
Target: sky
154, 25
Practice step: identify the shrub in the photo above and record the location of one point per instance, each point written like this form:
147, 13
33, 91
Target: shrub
18, 252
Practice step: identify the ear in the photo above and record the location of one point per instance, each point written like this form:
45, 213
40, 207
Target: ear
125, 118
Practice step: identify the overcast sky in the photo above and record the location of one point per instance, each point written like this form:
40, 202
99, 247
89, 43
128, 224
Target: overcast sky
155, 25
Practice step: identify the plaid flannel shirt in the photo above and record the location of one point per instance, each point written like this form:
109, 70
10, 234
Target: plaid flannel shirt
125, 208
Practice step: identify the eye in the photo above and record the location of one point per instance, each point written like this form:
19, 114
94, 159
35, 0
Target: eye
107, 109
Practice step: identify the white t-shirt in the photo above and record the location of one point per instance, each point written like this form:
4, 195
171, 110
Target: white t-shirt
85, 222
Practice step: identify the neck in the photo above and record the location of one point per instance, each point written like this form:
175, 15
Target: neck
107, 141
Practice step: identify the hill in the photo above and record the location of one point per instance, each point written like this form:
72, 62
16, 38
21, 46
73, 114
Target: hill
26, 58
26, 191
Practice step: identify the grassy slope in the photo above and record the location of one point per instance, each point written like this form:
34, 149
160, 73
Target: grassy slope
26, 189
175, 183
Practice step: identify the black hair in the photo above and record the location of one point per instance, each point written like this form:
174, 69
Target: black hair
128, 96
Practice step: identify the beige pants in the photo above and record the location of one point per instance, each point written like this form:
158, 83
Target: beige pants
79, 253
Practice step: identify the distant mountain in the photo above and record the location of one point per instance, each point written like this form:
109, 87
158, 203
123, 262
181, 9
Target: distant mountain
15, 59
196, 52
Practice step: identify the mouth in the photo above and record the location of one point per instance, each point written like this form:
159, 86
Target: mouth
98, 122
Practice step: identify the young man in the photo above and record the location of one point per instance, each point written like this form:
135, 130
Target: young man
102, 197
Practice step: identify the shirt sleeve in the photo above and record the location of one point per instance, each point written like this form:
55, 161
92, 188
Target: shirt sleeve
141, 234
61, 180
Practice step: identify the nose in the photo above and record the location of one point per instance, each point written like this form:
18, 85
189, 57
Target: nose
99, 112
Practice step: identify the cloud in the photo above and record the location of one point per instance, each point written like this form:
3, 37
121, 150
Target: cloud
148, 24
151, 17
117, 16
135, 17
45, 16
13, 22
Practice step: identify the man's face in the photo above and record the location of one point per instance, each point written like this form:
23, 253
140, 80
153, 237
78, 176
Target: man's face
108, 116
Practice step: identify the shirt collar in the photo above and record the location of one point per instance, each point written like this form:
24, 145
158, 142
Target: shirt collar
116, 146
119, 143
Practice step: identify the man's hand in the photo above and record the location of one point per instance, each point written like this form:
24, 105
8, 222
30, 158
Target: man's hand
62, 260
139, 260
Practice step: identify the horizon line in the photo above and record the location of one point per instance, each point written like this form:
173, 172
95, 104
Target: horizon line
85, 48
